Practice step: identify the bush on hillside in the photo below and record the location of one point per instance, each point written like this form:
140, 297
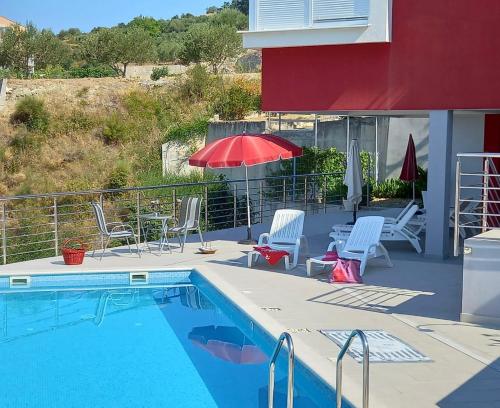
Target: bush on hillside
23, 139
31, 112
119, 176
235, 102
159, 72
189, 132
92, 71
115, 129
198, 84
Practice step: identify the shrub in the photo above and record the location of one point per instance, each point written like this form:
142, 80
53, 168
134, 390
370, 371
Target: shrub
51, 71
159, 72
189, 132
198, 84
31, 112
119, 176
115, 129
92, 71
395, 188
235, 102
23, 139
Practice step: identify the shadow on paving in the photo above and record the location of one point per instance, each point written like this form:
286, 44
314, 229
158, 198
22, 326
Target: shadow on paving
481, 390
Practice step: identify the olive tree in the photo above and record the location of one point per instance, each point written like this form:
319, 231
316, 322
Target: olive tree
211, 43
20, 44
118, 47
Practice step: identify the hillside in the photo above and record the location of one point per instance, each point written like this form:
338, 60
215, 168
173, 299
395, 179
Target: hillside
104, 132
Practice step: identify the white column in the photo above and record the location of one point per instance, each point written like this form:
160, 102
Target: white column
437, 242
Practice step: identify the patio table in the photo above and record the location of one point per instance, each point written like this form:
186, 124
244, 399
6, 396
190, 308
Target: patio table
147, 219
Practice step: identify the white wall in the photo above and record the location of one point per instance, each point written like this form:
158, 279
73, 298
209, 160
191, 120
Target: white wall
468, 137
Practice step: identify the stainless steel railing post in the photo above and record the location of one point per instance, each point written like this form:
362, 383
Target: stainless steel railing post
261, 202
272, 365
366, 367
325, 194
4, 233
174, 203
485, 195
456, 230
138, 215
101, 202
235, 205
284, 192
56, 229
206, 208
305, 194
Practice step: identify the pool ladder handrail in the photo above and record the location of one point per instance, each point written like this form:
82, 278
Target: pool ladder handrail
291, 363
366, 367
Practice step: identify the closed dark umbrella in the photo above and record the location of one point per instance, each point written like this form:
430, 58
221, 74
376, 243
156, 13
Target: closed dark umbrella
409, 172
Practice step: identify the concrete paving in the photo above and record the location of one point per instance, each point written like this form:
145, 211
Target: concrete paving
418, 301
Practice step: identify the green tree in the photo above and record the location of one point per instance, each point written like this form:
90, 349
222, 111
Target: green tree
149, 24
231, 17
20, 44
212, 43
241, 5
168, 48
118, 47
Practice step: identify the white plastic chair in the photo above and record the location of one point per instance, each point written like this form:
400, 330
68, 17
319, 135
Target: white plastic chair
189, 220
364, 242
391, 231
286, 234
401, 230
318, 260
119, 230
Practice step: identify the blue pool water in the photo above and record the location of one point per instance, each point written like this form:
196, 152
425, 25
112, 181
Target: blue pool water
95, 341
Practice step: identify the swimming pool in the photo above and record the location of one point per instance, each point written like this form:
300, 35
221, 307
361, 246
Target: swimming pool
171, 340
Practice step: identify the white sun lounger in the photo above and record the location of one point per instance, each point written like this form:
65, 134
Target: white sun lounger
364, 242
391, 231
285, 234
318, 260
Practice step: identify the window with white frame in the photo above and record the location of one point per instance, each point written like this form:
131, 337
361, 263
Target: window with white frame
280, 14
324, 11
297, 14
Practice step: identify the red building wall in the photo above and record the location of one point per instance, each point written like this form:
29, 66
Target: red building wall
444, 54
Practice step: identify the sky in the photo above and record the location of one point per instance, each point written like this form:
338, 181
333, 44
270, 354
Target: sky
86, 14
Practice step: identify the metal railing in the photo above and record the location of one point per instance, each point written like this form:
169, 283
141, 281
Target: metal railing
477, 196
366, 367
272, 365
35, 226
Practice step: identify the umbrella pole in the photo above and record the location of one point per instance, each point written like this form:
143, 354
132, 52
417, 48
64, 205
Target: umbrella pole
413, 190
248, 240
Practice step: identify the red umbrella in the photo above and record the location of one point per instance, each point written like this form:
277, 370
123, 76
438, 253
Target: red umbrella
246, 354
409, 172
245, 150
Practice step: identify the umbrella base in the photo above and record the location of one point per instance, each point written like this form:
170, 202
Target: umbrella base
249, 240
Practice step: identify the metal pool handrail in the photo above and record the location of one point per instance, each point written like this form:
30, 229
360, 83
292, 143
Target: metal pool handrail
291, 362
366, 367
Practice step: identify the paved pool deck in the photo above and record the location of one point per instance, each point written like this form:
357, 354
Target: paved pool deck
418, 301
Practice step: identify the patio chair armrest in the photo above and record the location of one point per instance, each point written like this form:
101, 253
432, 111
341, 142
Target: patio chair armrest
339, 244
263, 237
370, 248
331, 245
123, 227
